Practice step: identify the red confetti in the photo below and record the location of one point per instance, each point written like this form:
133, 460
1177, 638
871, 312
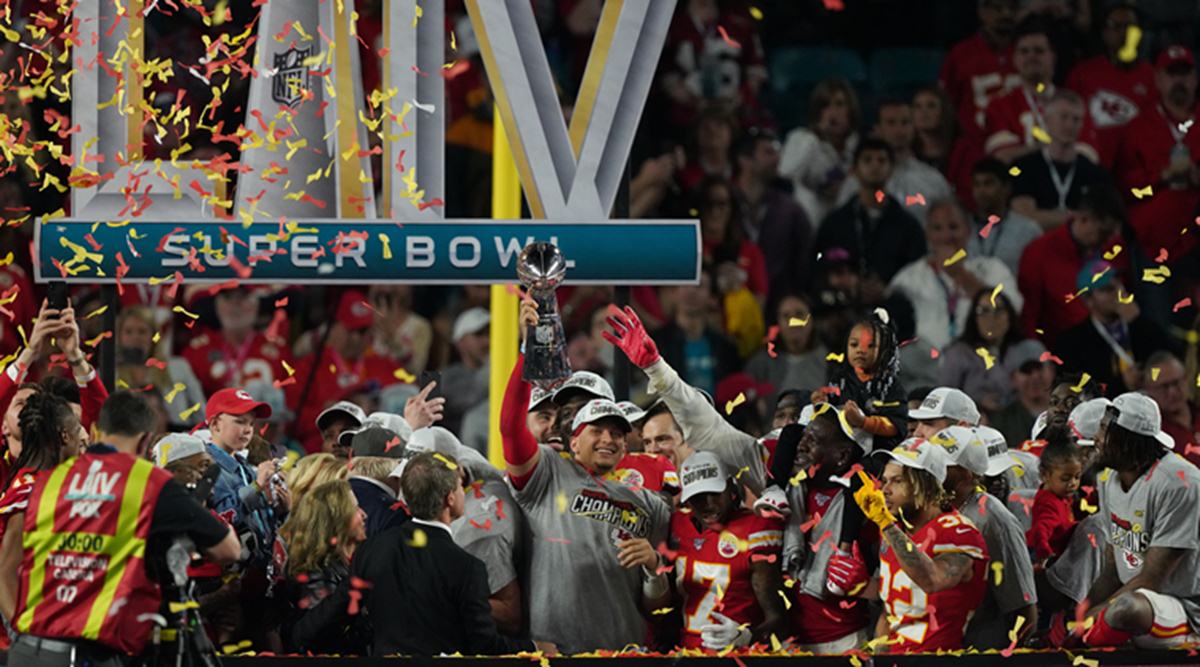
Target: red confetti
1162, 255
486, 525
993, 220
933, 353
915, 200
1183, 303
728, 40
817, 545
879, 195
1046, 356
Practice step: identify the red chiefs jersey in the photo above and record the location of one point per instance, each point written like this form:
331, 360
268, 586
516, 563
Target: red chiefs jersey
1114, 97
649, 471
16, 497
973, 74
219, 363
1011, 119
920, 621
712, 569
820, 620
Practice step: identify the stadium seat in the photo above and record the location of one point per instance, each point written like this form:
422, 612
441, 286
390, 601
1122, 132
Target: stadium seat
901, 71
794, 71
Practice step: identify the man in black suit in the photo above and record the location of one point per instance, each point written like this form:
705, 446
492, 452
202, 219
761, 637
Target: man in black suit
376, 453
1111, 343
426, 595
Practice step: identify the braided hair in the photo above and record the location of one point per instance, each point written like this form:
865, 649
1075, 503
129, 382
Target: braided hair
887, 360
45, 421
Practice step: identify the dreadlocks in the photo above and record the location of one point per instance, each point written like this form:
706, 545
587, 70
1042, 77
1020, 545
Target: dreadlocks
46, 420
1126, 450
887, 361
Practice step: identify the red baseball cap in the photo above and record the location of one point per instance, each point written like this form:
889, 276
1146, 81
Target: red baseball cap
353, 311
1176, 54
737, 384
235, 402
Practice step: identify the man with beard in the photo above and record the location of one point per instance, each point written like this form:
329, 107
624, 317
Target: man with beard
1149, 587
236, 353
827, 617
727, 567
933, 561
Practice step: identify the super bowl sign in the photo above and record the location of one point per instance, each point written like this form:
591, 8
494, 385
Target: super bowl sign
335, 251
309, 205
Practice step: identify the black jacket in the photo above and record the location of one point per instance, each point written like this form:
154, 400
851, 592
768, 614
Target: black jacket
1083, 350
672, 345
881, 246
423, 594
382, 508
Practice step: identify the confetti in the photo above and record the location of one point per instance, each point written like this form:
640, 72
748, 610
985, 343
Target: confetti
988, 359
996, 292
1129, 50
879, 196
1082, 383
419, 539
730, 406
998, 572
187, 414
993, 220
728, 40
1046, 356
756, 13
933, 353
1040, 134
1014, 171
1162, 256
1181, 304
1157, 275
835, 356
956, 258
1141, 193
662, 612
1111, 254
797, 322
915, 200
404, 376
170, 397
95, 313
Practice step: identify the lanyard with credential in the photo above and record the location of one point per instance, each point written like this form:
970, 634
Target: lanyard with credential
951, 301
1035, 108
1062, 185
1179, 131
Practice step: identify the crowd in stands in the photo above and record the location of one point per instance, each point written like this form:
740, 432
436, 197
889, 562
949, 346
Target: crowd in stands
989, 275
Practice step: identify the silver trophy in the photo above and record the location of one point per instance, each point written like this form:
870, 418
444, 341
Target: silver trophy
541, 268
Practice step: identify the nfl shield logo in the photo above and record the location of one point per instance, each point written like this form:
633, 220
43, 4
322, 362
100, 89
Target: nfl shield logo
291, 78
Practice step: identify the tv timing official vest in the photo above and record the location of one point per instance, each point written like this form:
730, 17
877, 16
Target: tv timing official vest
83, 573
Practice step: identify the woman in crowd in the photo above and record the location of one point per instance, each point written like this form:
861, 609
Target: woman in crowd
321, 534
142, 363
737, 263
939, 141
817, 158
982, 360
794, 356
315, 470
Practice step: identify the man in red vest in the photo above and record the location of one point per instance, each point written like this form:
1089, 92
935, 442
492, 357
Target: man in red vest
76, 584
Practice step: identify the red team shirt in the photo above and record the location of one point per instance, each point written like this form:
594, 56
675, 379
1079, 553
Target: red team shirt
1011, 119
712, 568
654, 472
919, 621
219, 364
972, 75
1114, 96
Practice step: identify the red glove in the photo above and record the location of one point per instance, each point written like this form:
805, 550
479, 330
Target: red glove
630, 337
847, 572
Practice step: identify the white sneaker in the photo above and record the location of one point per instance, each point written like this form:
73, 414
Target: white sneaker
773, 499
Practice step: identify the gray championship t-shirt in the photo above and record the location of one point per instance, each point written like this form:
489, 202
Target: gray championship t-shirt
580, 597
490, 529
1074, 572
1161, 509
990, 625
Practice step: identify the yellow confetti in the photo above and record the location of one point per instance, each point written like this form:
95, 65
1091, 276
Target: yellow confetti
835, 356
731, 405
998, 572
1081, 661
404, 376
417, 16
1040, 134
1013, 634
8, 259
1112, 254
288, 367
662, 612
170, 397
1088, 507
956, 258
775, 645
93, 342
1158, 275
453, 41
94, 313
183, 311
996, 292
988, 359
800, 477
187, 414
797, 322
419, 539
1082, 383
1129, 51
449, 464
6, 361
1147, 191
561, 502
1124, 298
387, 245
1014, 171
787, 604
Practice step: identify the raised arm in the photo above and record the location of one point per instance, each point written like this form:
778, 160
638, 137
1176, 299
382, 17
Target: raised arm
92, 392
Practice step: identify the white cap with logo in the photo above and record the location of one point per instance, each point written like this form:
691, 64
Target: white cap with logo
963, 448
1084, 420
597, 409
587, 382
922, 455
175, 446
468, 322
947, 403
1140, 414
702, 472
632, 412
539, 396
998, 458
346, 408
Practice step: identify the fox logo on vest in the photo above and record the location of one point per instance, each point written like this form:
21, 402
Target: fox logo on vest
86, 495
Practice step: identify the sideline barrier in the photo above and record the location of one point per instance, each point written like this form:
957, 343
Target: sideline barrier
1019, 659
